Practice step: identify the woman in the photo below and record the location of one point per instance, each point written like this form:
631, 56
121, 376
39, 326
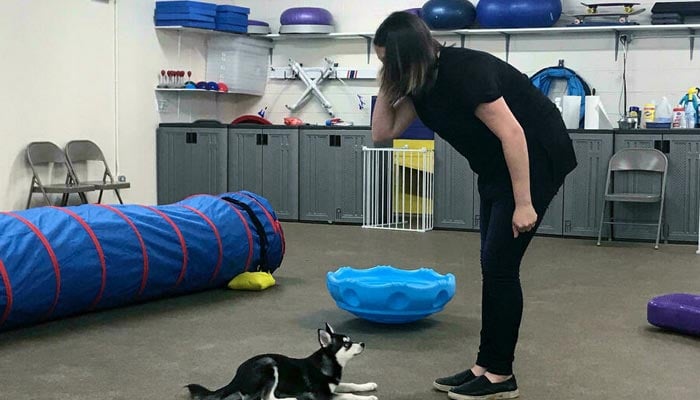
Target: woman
514, 139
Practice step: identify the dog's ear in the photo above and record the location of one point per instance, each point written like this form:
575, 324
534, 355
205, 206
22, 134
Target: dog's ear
329, 328
324, 338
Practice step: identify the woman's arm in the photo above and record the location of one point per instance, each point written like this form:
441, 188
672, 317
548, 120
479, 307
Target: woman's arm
389, 122
501, 121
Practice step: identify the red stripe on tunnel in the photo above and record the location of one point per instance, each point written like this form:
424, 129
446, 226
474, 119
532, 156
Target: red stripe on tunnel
144, 276
218, 240
183, 243
8, 293
98, 247
52, 257
275, 224
251, 247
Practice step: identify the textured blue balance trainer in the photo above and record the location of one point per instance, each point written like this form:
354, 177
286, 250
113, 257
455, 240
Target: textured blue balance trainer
390, 295
56, 262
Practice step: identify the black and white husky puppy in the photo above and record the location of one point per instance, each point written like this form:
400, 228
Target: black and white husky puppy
278, 377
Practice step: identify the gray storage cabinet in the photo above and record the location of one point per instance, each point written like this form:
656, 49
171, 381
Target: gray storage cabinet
682, 185
191, 159
456, 205
331, 172
265, 160
552, 222
636, 182
584, 187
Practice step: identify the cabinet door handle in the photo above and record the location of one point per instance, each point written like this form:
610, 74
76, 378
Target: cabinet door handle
264, 139
567, 226
258, 139
191, 137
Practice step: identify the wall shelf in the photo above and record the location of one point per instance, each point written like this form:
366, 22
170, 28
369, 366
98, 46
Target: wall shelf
631, 32
210, 32
177, 90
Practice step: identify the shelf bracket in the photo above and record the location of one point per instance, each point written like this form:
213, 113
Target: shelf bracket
368, 39
507, 35
617, 44
692, 42
462, 39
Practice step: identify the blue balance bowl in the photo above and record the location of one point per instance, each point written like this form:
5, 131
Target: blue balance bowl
390, 295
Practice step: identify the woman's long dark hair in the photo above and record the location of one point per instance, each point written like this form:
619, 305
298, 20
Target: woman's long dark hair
411, 55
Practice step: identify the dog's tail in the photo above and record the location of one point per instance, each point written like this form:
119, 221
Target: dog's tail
199, 392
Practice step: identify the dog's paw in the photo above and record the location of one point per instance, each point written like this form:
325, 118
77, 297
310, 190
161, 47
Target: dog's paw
372, 398
371, 386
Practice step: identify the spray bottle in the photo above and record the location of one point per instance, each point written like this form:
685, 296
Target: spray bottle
690, 103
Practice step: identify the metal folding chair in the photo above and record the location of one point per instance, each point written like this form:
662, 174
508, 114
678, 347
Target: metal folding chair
627, 160
50, 155
85, 151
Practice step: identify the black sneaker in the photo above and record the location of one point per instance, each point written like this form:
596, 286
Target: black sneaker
447, 383
482, 389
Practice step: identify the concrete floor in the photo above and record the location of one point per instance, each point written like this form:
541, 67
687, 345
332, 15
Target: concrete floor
584, 334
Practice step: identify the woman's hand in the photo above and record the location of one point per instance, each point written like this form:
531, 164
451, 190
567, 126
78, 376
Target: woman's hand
524, 219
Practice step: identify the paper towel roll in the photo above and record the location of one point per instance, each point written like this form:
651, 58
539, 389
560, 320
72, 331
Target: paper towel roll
596, 117
571, 111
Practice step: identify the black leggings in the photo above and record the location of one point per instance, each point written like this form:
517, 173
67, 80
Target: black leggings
502, 296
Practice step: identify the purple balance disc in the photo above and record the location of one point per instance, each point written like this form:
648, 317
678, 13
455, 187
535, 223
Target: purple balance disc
306, 16
678, 311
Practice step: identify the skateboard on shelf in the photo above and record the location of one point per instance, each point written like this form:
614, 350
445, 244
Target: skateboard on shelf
622, 17
592, 8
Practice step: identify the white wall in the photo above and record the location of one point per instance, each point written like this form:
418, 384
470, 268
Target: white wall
656, 67
59, 73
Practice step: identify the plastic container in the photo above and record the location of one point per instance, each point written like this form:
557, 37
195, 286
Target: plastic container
242, 63
690, 101
690, 115
678, 120
649, 113
664, 111
636, 113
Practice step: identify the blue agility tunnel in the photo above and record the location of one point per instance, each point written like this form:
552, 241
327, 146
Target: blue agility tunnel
56, 262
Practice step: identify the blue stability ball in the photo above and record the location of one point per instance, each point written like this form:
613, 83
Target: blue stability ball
518, 13
448, 14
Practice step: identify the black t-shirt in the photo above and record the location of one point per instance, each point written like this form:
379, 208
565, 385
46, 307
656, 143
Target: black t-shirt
467, 78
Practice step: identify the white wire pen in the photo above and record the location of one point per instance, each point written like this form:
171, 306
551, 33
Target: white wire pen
398, 188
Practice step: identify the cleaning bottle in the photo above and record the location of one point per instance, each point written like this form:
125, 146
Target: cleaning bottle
690, 104
678, 120
690, 110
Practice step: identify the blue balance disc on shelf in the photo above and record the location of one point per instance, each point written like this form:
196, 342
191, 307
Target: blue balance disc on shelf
390, 295
518, 13
448, 14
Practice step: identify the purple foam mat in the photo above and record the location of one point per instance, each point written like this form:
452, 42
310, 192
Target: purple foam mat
677, 311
